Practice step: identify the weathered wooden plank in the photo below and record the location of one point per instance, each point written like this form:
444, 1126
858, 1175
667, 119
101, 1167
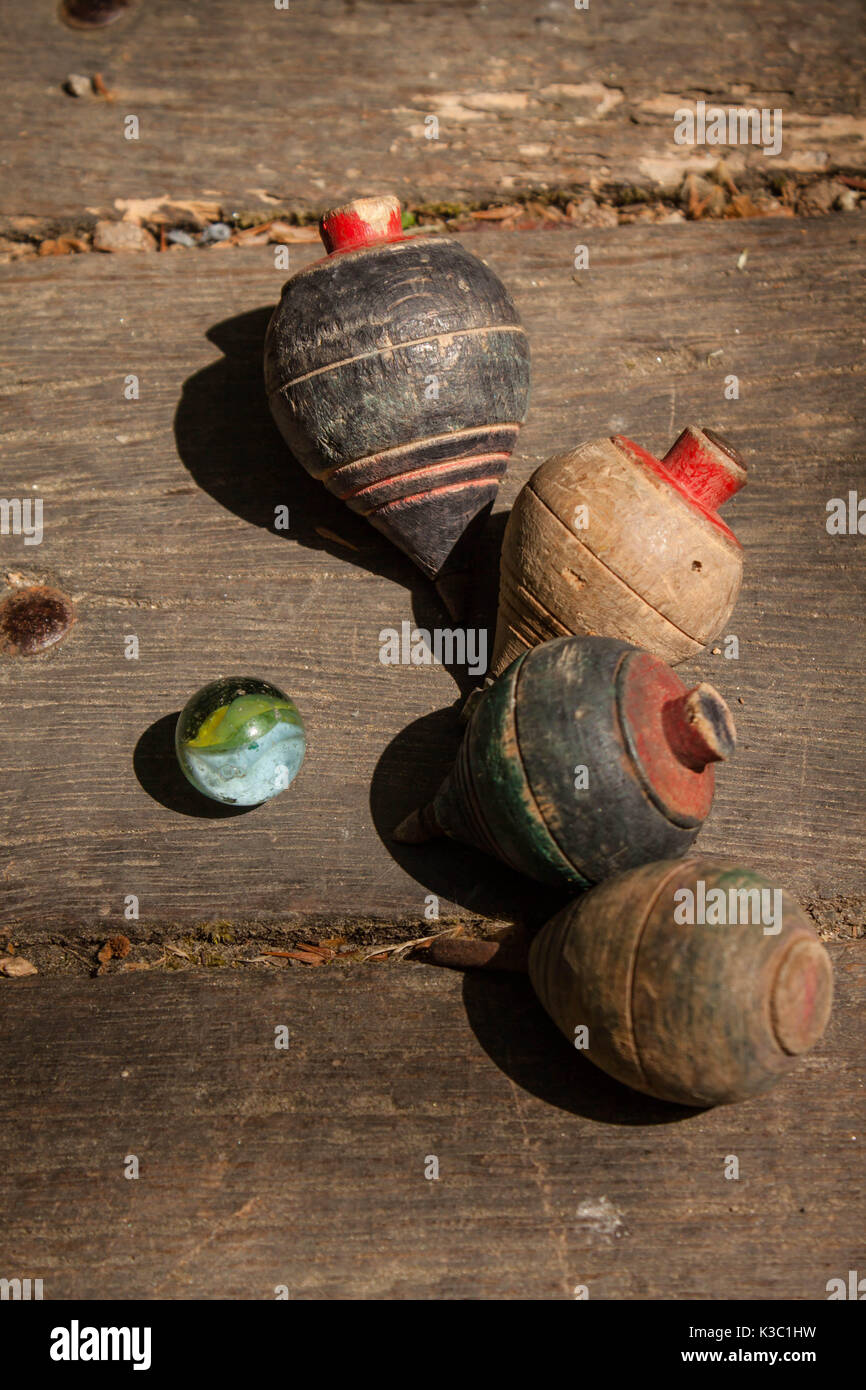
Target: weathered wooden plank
254, 105
159, 516
306, 1167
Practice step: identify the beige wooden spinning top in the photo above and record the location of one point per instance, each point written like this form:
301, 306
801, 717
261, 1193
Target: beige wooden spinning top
609, 541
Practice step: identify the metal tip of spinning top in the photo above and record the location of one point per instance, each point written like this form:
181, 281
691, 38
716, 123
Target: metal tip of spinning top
454, 591
418, 826
457, 580
508, 952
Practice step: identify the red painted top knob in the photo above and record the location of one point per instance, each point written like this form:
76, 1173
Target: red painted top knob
363, 222
700, 464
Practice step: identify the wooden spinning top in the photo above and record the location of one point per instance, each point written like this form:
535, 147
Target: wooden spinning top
398, 373
697, 981
585, 758
609, 540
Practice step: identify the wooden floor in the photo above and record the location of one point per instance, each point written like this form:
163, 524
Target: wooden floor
158, 518
248, 107
305, 1168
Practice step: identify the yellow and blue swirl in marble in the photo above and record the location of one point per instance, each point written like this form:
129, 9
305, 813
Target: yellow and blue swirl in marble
240, 741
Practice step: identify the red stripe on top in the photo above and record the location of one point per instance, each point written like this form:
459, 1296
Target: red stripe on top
639, 455
430, 470
448, 487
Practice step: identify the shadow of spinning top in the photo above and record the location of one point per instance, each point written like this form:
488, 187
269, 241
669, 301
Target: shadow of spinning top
691, 980
398, 373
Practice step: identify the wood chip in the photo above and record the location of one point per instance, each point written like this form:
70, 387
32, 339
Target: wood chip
722, 176
254, 234
123, 237
77, 85
498, 214
305, 952
63, 245
306, 957
173, 211
283, 233
100, 88
742, 206
175, 951
16, 967
401, 947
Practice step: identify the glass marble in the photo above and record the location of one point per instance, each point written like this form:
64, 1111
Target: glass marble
240, 741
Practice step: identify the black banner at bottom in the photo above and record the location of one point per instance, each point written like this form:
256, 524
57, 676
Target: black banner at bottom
152, 1338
